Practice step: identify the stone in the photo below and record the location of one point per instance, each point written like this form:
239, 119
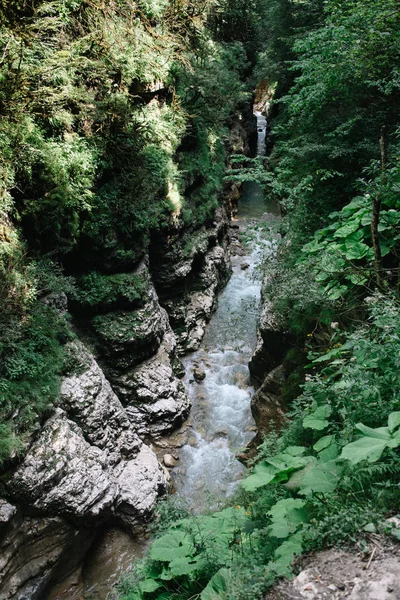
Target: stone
169, 461
125, 338
336, 574
154, 398
199, 374
244, 266
35, 551
140, 482
63, 474
89, 400
189, 268
266, 404
272, 344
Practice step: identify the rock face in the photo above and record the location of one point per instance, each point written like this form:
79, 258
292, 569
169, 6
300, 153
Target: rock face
188, 270
137, 350
34, 551
88, 463
266, 404
272, 344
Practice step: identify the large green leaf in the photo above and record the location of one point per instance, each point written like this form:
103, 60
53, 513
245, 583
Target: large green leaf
321, 478
317, 419
323, 443
285, 554
287, 515
356, 250
262, 475
175, 544
380, 433
149, 585
394, 421
275, 469
217, 585
184, 566
347, 229
366, 448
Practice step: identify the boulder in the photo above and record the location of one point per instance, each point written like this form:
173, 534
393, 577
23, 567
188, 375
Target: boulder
89, 400
154, 398
199, 374
170, 461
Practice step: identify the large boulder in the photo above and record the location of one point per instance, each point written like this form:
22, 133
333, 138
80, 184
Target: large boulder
88, 454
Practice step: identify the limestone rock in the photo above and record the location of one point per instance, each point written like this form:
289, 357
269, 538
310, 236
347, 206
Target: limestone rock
154, 398
266, 404
35, 551
340, 575
57, 300
63, 474
272, 344
199, 374
169, 461
188, 269
125, 338
90, 401
140, 482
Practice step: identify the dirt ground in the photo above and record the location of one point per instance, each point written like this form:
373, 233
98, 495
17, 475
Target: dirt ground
339, 575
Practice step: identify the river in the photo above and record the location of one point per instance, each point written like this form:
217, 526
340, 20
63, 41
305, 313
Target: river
208, 471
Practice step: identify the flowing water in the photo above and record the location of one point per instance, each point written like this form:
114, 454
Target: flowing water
208, 471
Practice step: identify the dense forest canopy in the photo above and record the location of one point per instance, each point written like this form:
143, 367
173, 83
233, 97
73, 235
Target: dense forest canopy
114, 124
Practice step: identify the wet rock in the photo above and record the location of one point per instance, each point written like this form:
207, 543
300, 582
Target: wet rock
170, 461
63, 474
199, 374
267, 405
189, 268
154, 398
272, 344
37, 551
125, 338
89, 400
140, 482
244, 266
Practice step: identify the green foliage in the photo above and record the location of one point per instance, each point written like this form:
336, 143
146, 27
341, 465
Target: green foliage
105, 292
31, 358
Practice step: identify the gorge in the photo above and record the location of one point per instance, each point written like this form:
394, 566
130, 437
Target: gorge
199, 299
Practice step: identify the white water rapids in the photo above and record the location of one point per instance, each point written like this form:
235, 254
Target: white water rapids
208, 471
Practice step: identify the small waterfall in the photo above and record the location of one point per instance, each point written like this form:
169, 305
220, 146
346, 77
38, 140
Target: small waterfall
261, 133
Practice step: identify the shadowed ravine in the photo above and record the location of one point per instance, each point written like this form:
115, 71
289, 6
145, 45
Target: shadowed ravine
221, 419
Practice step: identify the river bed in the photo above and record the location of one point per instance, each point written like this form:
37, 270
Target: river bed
222, 423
